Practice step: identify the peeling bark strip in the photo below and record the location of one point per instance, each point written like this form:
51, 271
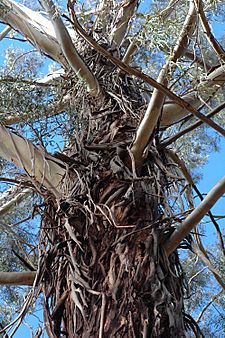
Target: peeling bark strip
40, 166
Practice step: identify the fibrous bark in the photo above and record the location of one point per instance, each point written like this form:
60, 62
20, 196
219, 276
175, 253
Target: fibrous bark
103, 267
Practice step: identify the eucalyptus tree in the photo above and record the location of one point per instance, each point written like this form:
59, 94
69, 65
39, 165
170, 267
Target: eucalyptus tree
118, 198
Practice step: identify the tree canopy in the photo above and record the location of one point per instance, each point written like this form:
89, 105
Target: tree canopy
109, 109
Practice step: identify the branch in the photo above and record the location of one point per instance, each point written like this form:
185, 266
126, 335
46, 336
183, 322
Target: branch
195, 58
165, 13
192, 126
207, 31
35, 27
69, 51
40, 166
5, 31
208, 263
155, 106
174, 112
195, 216
18, 198
129, 54
103, 9
120, 28
17, 278
181, 105
180, 163
208, 304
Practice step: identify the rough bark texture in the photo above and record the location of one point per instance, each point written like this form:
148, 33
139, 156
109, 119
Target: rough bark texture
103, 269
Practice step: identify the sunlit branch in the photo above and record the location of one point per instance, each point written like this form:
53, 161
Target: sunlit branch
68, 48
129, 54
192, 126
5, 31
208, 304
182, 167
121, 25
14, 201
195, 217
174, 112
34, 26
154, 110
208, 263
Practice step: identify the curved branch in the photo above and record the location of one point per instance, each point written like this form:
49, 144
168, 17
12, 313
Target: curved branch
69, 51
208, 263
208, 304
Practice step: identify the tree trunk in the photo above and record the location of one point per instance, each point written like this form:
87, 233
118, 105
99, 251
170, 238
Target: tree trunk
104, 271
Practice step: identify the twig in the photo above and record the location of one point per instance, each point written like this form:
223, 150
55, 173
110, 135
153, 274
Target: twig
208, 304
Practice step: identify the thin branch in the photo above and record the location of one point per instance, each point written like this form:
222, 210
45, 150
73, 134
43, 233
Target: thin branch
195, 217
193, 57
207, 31
208, 263
192, 126
69, 51
17, 199
165, 13
208, 304
17, 278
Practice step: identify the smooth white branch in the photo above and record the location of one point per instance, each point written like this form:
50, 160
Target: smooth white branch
195, 216
69, 51
34, 27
